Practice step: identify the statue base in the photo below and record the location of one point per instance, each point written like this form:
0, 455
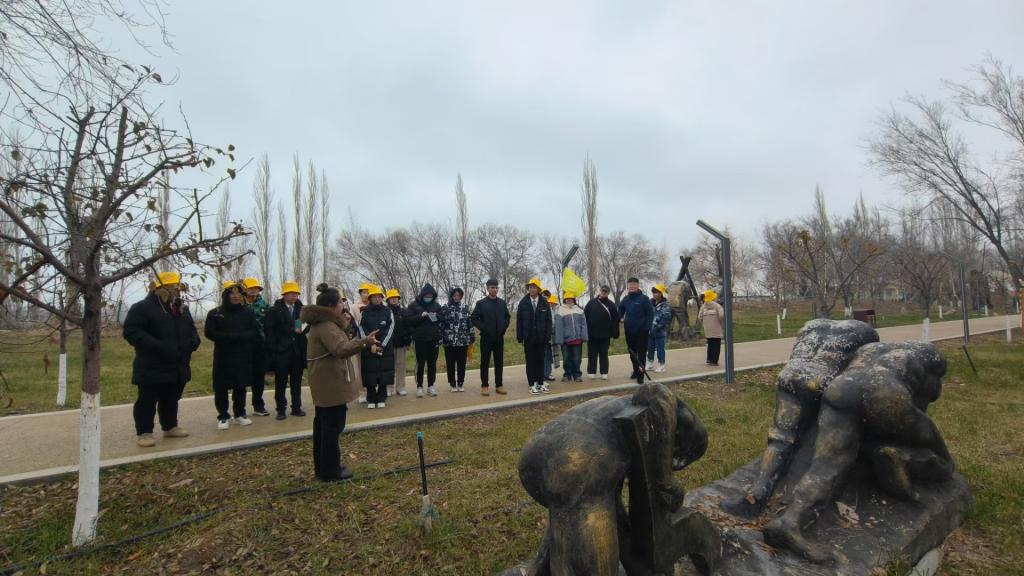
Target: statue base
869, 527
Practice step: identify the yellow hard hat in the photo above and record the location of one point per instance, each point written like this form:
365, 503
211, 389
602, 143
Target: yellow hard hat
289, 287
535, 282
567, 295
227, 284
366, 286
375, 290
393, 293
659, 288
710, 295
552, 299
167, 278
251, 283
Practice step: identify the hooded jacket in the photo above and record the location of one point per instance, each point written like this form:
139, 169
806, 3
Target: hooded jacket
164, 338
602, 319
637, 313
331, 369
424, 329
381, 319
233, 330
570, 324
456, 323
662, 318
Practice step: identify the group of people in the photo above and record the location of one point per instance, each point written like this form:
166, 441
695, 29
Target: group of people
357, 351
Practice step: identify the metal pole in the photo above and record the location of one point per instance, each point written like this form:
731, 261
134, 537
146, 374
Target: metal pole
963, 299
730, 363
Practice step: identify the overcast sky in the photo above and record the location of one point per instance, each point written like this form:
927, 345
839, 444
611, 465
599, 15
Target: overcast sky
730, 112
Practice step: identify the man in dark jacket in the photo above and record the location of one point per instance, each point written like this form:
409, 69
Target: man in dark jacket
423, 321
286, 344
637, 314
400, 340
162, 331
533, 331
602, 326
491, 318
378, 362
234, 332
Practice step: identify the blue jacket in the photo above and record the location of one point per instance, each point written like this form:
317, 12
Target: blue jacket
570, 324
662, 319
637, 313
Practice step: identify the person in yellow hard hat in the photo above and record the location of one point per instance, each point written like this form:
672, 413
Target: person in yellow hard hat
254, 301
286, 346
232, 329
712, 317
401, 340
161, 330
377, 365
533, 331
571, 333
659, 328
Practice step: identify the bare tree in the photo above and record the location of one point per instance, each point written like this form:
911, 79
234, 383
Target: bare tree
223, 228
462, 237
504, 253
930, 158
282, 245
325, 225
591, 242
263, 196
624, 256
311, 228
552, 250
916, 255
298, 254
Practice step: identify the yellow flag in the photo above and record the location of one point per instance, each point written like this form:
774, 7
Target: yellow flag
573, 283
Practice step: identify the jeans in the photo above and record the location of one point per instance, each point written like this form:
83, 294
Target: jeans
455, 361
597, 352
714, 350
220, 401
487, 348
426, 357
534, 350
637, 345
572, 355
153, 401
656, 344
328, 424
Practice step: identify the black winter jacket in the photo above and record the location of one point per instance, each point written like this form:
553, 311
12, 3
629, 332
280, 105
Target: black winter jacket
401, 338
234, 332
164, 340
602, 319
283, 344
381, 319
533, 325
491, 318
424, 329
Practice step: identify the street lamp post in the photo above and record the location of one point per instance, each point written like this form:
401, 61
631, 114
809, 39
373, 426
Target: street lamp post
730, 364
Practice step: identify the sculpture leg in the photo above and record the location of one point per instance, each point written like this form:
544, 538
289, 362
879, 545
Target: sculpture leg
835, 452
585, 539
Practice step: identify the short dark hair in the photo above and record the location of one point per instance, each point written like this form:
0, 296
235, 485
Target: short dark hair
492, 282
606, 288
327, 296
633, 279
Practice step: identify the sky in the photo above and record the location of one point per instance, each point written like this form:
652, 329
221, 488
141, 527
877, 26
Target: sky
728, 112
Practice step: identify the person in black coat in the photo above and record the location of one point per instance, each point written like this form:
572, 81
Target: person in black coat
399, 341
422, 319
533, 331
378, 362
162, 331
286, 344
233, 329
602, 326
491, 317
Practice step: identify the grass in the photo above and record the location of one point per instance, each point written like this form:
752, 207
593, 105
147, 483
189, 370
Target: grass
28, 360
487, 521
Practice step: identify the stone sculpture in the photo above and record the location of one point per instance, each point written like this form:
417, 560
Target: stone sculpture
576, 466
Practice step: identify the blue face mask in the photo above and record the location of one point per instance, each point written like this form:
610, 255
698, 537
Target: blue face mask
428, 299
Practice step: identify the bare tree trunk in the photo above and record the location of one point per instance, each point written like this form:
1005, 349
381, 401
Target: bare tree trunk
590, 237
223, 225
463, 235
325, 225
87, 509
298, 261
312, 227
282, 244
264, 203
62, 365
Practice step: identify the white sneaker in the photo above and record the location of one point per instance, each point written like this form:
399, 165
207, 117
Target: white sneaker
243, 421
419, 392
223, 424
371, 405
431, 390
650, 365
544, 388
453, 389
381, 405
660, 369
591, 376
391, 390
458, 388
535, 389
402, 392
604, 376
362, 399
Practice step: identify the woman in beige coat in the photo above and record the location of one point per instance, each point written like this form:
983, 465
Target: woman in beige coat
712, 316
332, 375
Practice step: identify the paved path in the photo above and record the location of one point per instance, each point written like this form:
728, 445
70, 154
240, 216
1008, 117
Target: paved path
39, 446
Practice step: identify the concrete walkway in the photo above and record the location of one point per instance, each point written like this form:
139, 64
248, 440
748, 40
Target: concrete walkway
40, 446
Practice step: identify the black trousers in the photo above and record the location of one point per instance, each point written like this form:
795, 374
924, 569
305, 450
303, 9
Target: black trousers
455, 361
328, 424
714, 349
376, 384
288, 375
220, 400
259, 374
488, 349
426, 357
155, 401
597, 352
534, 350
637, 344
